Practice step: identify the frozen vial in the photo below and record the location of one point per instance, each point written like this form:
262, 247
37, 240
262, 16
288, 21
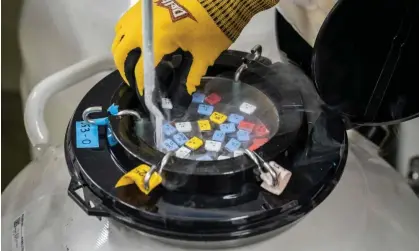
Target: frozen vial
198, 97
228, 127
218, 136
238, 153
212, 146
204, 125
243, 135
232, 145
205, 109
184, 126
247, 108
168, 129
194, 143
246, 126
235, 118
204, 158
166, 103
182, 152
221, 157
213, 99
170, 145
180, 138
258, 143
261, 130
218, 118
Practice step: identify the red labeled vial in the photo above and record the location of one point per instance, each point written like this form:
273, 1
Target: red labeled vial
246, 126
257, 143
261, 130
213, 99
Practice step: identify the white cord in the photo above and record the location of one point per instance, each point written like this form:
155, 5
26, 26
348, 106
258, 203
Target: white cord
35, 105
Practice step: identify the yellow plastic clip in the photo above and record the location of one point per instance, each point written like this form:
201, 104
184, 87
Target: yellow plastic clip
137, 176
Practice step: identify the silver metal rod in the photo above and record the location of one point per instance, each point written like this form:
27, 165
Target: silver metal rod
149, 72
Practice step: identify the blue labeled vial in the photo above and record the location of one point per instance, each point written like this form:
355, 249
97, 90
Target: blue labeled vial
180, 138
243, 135
205, 109
232, 145
235, 118
168, 129
218, 136
228, 127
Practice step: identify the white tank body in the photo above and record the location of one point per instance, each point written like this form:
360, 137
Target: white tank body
371, 209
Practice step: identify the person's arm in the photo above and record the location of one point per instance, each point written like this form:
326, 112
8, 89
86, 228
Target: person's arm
231, 16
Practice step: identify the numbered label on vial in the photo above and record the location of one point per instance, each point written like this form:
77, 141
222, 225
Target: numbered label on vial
194, 143
218, 118
170, 145
247, 126
235, 118
261, 130
182, 152
247, 108
228, 127
168, 129
87, 135
198, 97
205, 109
204, 125
184, 126
212, 146
243, 135
218, 136
166, 103
213, 99
180, 138
232, 145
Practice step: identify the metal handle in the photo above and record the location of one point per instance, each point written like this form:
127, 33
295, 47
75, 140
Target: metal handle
153, 169
83, 204
255, 55
35, 105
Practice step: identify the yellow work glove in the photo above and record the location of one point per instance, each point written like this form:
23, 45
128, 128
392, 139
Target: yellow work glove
205, 28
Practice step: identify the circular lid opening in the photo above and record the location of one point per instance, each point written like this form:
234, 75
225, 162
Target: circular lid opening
223, 118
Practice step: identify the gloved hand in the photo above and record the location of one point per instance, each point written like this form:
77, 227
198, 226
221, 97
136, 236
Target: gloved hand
205, 28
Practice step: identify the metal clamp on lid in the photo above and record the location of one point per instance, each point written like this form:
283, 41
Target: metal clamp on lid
255, 55
153, 169
113, 110
275, 177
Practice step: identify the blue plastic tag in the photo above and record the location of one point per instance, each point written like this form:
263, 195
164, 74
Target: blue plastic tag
228, 127
111, 138
180, 138
87, 135
232, 145
198, 97
113, 109
243, 135
205, 109
170, 145
235, 118
168, 129
218, 136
